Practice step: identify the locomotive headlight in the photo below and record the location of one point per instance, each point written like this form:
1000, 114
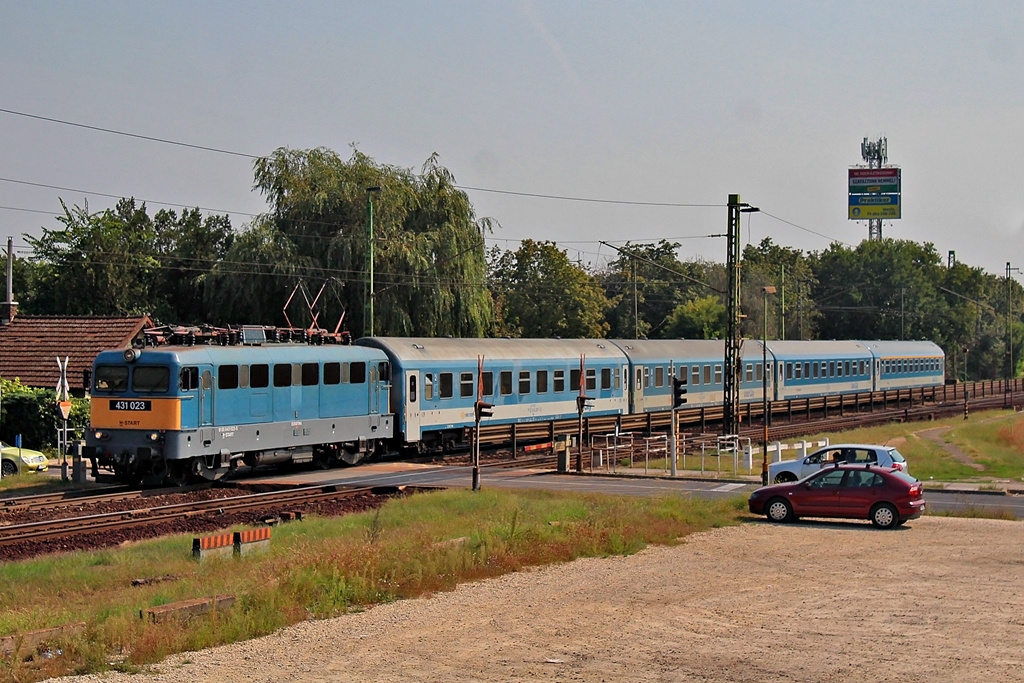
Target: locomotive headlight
154, 436
101, 435
130, 355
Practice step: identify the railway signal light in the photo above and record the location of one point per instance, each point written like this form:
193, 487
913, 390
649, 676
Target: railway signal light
583, 402
678, 392
483, 409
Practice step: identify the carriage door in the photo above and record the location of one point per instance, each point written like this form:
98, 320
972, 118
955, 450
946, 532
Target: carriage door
205, 396
374, 389
639, 405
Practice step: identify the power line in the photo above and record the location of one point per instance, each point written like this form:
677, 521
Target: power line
130, 135
587, 199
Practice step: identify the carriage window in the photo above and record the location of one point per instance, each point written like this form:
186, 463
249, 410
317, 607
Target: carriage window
465, 384
659, 376
606, 378
542, 381
647, 377
282, 375
151, 379
798, 370
559, 379
617, 385
591, 379
259, 376
718, 374
639, 379
814, 370
488, 383
707, 374
188, 379
524, 382
310, 374
332, 373
807, 370
445, 388
357, 372
750, 372
227, 377
505, 382
428, 387
412, 385
789, 371
695, 375
847, 368
760, 372
574, 380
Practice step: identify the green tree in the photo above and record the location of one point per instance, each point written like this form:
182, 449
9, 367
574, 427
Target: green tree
541, 293
701, 318
428, 249
96, 264
646, 283
188, 246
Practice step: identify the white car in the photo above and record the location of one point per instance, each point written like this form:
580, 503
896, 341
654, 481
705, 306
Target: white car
855, 453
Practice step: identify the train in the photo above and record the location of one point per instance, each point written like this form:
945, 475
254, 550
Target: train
175, 413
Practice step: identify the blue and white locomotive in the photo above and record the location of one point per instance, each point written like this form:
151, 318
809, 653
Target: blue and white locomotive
180, 412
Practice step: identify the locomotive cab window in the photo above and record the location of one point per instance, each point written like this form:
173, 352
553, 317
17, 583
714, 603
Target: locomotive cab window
151, 379
115, 377
188, 379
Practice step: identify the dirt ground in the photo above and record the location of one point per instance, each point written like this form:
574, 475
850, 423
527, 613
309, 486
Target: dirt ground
940, 599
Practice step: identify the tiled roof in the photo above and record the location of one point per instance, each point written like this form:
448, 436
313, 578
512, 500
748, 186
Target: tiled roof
30, 345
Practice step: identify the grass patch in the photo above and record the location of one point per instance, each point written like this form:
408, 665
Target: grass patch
323, 567
992, 439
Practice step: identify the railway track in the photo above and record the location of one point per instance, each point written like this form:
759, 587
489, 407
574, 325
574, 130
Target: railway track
108, 528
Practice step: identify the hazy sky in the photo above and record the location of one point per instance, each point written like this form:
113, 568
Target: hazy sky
660, 102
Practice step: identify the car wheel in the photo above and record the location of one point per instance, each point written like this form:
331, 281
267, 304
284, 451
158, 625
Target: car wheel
779, 510
784, 477
884, 516
8, 468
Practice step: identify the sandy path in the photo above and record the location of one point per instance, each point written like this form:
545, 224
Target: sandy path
940, 599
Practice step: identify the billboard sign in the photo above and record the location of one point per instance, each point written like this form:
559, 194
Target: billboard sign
871, 206
874, 180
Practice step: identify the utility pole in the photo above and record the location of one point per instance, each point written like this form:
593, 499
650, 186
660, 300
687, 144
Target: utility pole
369, 213
733, 366
1011, 370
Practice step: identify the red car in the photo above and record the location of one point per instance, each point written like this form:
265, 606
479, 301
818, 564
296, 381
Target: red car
886, 496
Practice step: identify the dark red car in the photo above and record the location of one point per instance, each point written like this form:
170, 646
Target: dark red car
886, 496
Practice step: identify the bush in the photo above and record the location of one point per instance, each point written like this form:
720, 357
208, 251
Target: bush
33, 414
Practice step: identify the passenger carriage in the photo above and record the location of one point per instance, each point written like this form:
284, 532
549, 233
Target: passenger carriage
655, 362
907, 364
526, 380
820, 368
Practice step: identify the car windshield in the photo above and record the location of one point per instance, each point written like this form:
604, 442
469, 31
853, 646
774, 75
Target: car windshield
896, 455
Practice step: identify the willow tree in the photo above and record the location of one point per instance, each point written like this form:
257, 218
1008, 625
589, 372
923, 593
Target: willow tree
429, 263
